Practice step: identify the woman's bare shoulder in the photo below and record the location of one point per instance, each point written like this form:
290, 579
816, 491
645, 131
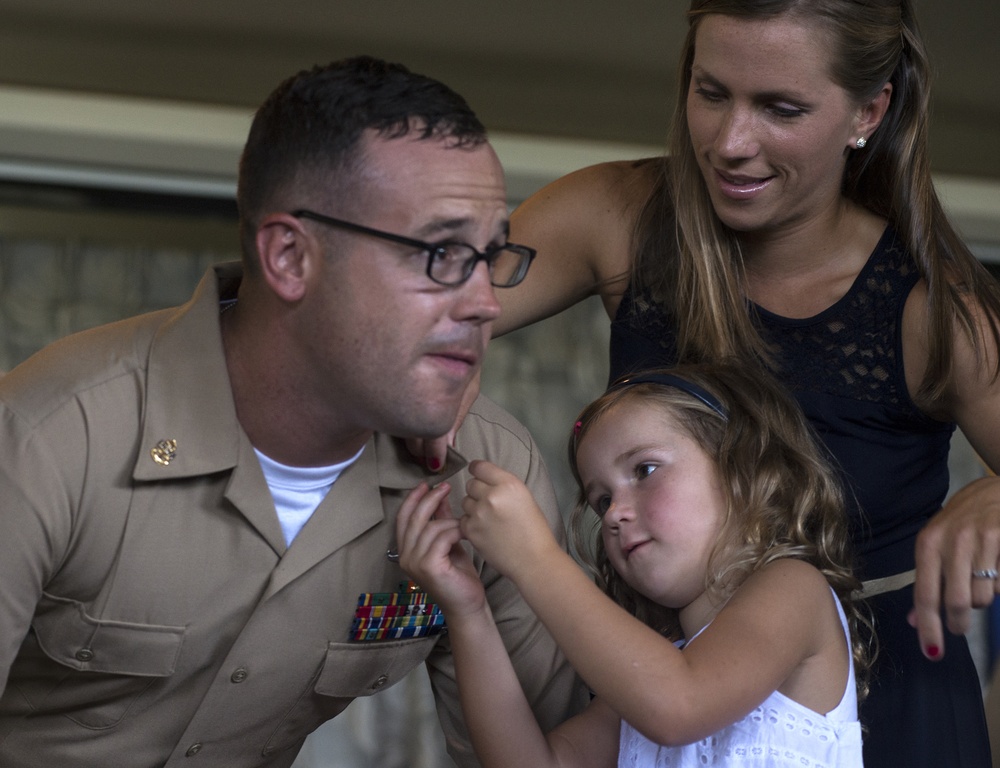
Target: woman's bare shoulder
588, 215
581, 226
617, 184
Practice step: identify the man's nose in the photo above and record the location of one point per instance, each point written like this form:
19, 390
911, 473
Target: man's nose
478, 298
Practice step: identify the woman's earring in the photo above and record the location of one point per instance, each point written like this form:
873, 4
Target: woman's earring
860, 143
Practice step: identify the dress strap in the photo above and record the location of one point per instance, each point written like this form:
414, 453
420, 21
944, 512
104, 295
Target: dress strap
847, 709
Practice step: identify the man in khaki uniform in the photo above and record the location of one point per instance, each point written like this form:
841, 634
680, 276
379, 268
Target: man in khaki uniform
192, 501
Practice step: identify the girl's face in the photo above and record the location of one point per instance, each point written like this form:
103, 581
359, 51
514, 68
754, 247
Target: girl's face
769, 127
660, 499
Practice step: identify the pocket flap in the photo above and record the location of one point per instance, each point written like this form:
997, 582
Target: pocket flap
362, 669
70, 637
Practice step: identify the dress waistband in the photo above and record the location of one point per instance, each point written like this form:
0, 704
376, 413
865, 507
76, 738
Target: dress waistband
886, 584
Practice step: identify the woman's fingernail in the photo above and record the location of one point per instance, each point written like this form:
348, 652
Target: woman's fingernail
933, 651
434, 464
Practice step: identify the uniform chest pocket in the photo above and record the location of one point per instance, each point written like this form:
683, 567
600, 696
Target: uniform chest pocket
363, 669
101, 667
349, 671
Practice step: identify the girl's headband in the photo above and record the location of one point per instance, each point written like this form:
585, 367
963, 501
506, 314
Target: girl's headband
670, 380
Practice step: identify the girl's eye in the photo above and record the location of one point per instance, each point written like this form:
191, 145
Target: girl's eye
645, 469
601, 505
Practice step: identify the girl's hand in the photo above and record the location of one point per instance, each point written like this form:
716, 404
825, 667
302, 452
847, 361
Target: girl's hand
503, 521
431, 553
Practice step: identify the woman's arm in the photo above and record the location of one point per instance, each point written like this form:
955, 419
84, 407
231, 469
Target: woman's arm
779, 631
581, 225
965, 535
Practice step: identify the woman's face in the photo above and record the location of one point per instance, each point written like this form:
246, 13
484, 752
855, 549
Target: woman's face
769, 127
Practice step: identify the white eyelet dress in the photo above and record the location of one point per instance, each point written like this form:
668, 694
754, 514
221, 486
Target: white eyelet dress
780, 733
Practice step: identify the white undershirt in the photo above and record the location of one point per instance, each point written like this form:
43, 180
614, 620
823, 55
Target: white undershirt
297, 491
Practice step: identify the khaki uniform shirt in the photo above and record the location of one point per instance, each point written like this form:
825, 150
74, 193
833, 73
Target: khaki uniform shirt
150, 612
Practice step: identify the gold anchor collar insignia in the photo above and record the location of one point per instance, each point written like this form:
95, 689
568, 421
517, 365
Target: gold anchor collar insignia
164, 451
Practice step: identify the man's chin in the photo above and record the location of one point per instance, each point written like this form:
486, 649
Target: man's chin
430, 427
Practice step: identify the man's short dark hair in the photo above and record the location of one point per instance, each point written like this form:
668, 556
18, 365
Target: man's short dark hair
308, 128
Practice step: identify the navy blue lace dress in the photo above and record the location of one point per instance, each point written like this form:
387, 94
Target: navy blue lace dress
845, 368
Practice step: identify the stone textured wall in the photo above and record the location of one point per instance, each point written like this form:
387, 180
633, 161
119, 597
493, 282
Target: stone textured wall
49, 288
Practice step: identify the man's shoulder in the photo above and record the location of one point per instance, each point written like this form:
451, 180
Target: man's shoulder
490, 432
486, 419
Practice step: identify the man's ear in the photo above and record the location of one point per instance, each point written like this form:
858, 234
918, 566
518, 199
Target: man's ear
283, 250
870, 115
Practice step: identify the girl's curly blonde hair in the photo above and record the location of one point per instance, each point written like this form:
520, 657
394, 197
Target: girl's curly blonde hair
784, 499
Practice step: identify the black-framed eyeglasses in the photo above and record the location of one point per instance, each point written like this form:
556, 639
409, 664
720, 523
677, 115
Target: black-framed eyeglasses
448, 263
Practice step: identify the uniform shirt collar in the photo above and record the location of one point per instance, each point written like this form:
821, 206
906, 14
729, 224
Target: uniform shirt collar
190, 426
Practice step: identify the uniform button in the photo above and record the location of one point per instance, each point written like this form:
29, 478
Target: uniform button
84, 654
239, 675
193, 750
380, 682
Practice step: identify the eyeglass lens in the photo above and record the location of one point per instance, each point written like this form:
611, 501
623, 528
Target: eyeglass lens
454, 263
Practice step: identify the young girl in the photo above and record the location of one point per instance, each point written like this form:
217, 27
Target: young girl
732, 637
